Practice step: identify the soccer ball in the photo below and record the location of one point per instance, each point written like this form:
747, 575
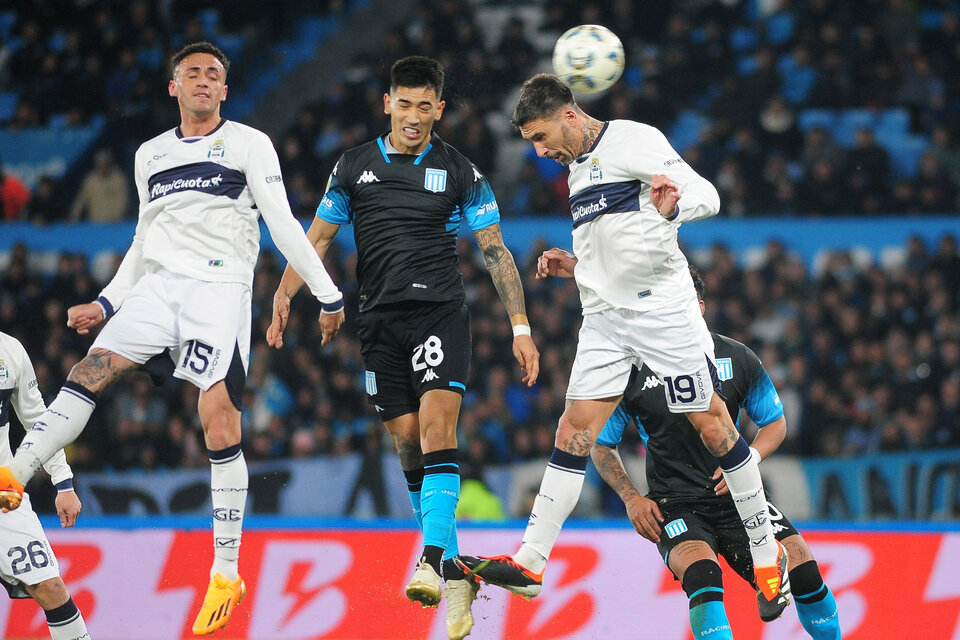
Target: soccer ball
588, 58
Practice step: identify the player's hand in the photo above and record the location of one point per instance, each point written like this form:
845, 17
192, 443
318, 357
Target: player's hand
525, 351
281, 312
68, 508
645, 516
721, 488
555, 262
84, 317
330, 325
664, 195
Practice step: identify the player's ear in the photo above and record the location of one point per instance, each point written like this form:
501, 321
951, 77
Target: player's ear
172, 89
223, 98
386, 103
440, 107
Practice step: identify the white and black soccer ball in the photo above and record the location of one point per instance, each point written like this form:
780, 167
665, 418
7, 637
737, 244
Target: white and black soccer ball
588, 58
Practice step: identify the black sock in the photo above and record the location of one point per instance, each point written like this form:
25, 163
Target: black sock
452, 570
433, 556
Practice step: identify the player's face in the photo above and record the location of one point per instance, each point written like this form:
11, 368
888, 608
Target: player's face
412, 111
556, 137
199, 84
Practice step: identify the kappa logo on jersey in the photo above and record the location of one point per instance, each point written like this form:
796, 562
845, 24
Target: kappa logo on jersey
428, 376
477, 175
675, 527
435, 180
651, 382
367, 177
724, 368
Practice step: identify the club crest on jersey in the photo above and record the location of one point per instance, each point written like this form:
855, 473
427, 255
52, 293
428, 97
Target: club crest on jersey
596, 174
435, 180
4, 372
724, 368
216, 149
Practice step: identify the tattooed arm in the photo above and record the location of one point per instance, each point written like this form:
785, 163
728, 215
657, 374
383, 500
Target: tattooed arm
642, 511
506, 278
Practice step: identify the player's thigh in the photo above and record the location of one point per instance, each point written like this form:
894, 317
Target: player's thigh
213, 325
676, 344
438, 341
145, 325
601, 367
386, 364
686, 535
26, 557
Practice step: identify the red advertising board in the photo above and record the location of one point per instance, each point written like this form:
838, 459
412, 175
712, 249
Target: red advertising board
347, 584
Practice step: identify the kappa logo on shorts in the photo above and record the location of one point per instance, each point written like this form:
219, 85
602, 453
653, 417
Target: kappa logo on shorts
371, 382
725, 368
675, 527
429, 375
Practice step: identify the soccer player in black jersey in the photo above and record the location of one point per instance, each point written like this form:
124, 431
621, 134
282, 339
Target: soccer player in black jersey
406, 194
689, 513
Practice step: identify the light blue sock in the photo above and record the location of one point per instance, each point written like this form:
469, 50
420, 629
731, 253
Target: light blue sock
703, 584
439, 497
709, 620
453, 548
818, 614
414, 485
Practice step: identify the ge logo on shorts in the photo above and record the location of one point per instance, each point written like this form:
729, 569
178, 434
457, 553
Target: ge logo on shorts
675, 527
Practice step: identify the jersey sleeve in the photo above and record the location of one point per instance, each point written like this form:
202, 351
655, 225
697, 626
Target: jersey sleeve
761, 402
654, 154
335, 207
131, 267
478, 204
612, 432
262, 171
29, 406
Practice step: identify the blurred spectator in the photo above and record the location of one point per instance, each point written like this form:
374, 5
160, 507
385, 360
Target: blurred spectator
14, 196
105, 193
47, 205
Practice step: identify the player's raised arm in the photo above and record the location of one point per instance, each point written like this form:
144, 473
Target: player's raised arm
503, 270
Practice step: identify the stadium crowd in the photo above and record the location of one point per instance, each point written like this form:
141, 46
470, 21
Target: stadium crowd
795, 108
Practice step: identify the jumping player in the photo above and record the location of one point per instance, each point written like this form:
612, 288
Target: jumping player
180, 300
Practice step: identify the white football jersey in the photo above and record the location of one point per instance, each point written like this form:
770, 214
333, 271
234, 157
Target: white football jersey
19, 389
628, 255
200, 201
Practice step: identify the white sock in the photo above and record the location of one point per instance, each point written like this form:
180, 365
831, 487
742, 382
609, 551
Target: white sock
228, 489
74, 628
559, 493
746, 487
59, 425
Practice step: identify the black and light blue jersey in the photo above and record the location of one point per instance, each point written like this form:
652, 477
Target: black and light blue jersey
678, 464
406, 213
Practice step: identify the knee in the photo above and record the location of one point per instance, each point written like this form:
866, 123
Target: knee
436, 435
49, 594
702, 574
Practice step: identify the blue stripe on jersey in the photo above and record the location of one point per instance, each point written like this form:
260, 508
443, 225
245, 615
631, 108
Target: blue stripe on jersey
612, 432
206, 177
762, 402
422, 153
453, 223
479, 204
601, 199
335, 205
383, 150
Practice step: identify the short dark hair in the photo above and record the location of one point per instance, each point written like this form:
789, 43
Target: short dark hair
199, 47
417, 71
541, 97
697, 282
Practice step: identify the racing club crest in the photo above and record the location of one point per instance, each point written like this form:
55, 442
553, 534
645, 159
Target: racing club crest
435, 180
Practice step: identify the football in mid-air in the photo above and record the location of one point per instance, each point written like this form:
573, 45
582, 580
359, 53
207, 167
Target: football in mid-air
588, 58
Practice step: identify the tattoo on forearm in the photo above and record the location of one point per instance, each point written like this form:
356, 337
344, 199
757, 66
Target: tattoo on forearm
99, 370
731, 439
610, 468
580, 443
503, 270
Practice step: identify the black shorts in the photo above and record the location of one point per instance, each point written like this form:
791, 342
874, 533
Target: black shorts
410, 349
716, 522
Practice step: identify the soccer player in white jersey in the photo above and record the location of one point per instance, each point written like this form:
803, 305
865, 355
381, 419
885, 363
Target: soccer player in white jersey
629, 193
28, 568
182, 297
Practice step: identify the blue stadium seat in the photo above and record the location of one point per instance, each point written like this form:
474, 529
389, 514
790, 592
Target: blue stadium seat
686, 130
743, 39
7, 20
780, 27
810, 118
905, 152
210, 21
798, 85
893, 121
931, 19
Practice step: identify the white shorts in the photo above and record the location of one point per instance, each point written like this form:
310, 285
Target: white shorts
195, 330
26, 557
674, 342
